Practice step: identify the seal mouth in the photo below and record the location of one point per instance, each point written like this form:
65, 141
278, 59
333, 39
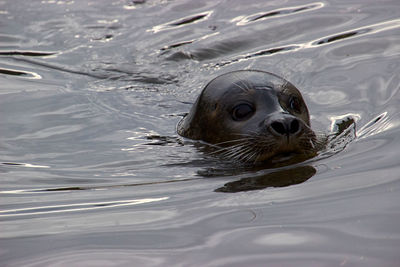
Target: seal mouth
261, 148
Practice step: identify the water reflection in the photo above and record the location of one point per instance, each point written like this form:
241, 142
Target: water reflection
277, 13
371, 29
280, 178
182, 22
76, 207
26, 165
354, 33
379, 124
26, 53
23, 74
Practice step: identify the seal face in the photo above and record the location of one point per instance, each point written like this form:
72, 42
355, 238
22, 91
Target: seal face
251, 116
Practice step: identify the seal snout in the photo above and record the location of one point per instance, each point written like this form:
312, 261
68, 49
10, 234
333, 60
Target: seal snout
284, 125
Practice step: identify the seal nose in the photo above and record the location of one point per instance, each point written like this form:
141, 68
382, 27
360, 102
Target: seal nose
285, 125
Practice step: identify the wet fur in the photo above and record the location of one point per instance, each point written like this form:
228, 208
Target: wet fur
249, 147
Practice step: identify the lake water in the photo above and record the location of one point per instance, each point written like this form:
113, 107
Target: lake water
93, 173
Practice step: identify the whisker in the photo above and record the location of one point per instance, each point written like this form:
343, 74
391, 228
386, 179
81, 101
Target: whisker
250, 156
226, 149
242, 88
230, 141
244, 85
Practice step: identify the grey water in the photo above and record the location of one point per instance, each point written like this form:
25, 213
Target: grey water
92, 172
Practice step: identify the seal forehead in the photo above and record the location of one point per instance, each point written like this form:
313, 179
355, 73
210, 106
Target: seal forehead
242, 82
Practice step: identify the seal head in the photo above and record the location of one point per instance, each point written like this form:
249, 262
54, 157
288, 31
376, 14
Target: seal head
252, 116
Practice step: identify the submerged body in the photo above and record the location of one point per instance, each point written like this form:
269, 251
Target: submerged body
251, 116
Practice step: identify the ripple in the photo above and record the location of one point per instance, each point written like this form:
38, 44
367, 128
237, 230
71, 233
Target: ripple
337, 37
379, 124
91, 257
27, 53
278, 13
105, 187
329, 97
20, 73
133, 4
261, 53
54, 66
52, 131
370, 29
76, 207
26, 165
195, 18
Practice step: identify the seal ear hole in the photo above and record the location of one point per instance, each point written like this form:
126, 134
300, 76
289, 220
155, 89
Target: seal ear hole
242, 112
295, 104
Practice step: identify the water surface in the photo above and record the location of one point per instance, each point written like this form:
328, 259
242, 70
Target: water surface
92, 170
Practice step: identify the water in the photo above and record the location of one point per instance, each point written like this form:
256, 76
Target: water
92, 170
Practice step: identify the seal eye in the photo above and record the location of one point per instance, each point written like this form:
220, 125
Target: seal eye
294, 104
242, 112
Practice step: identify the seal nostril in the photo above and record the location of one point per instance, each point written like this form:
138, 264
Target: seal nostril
286, 126
294, 126
278, 127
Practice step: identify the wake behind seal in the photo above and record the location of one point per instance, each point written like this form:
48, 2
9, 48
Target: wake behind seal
251, 116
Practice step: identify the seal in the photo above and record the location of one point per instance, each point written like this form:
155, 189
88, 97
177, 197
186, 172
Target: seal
251, 116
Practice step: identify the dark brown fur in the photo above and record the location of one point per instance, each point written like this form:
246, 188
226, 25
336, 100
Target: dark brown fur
278, 123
